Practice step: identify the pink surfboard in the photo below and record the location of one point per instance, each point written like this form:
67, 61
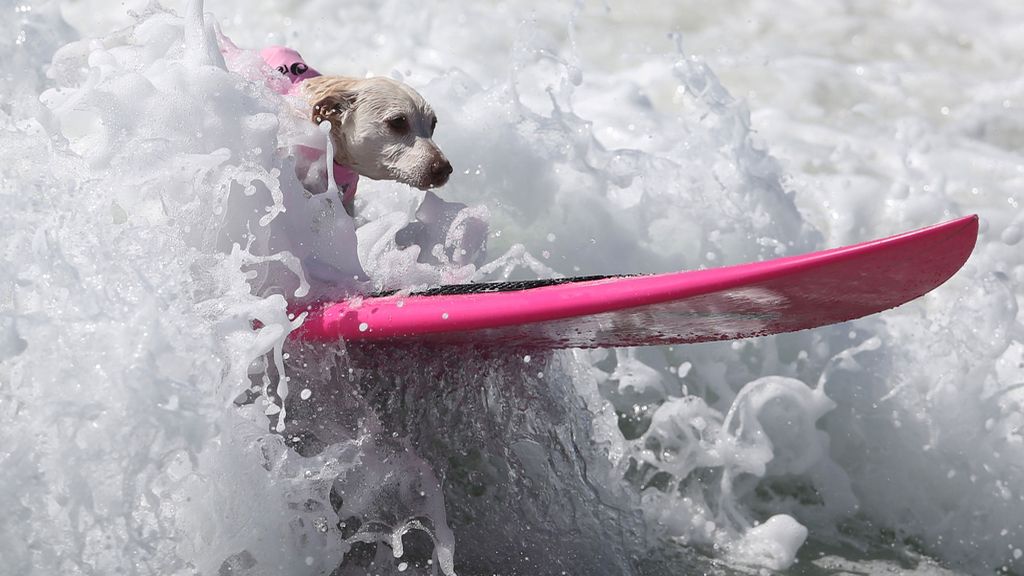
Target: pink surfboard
781, 295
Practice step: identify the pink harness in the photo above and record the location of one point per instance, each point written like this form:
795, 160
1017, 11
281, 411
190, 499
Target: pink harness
291, 65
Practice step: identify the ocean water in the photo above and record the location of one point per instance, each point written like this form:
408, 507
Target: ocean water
156, 420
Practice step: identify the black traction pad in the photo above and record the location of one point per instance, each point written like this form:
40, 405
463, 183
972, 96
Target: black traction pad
488, 287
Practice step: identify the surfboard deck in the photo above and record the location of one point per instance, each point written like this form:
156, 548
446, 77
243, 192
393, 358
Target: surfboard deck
756, 299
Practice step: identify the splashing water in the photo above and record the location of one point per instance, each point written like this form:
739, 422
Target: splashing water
158, 422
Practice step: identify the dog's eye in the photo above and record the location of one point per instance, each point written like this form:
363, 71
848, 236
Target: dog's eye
399, 124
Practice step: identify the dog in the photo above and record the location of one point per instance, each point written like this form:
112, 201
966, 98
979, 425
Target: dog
380, 128
383, 129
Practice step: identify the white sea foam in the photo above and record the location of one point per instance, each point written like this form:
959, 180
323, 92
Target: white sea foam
154, 228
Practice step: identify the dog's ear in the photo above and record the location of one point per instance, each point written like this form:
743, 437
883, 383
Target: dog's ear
337, 105
331, 98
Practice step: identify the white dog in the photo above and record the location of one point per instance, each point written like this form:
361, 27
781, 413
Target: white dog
380, 128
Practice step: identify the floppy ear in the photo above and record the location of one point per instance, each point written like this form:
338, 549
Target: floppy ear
331, 97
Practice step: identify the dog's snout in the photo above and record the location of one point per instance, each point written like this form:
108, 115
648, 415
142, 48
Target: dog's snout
440, 170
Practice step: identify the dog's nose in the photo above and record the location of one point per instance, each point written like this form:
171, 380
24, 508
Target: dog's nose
439, 171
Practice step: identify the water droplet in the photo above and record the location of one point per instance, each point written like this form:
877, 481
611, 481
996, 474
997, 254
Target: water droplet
684, 369
363, 327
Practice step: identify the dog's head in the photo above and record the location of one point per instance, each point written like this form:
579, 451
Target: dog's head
380, 128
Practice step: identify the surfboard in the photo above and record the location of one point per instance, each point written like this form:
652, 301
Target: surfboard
747, 300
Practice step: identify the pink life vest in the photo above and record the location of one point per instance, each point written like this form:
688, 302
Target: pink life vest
291, 65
